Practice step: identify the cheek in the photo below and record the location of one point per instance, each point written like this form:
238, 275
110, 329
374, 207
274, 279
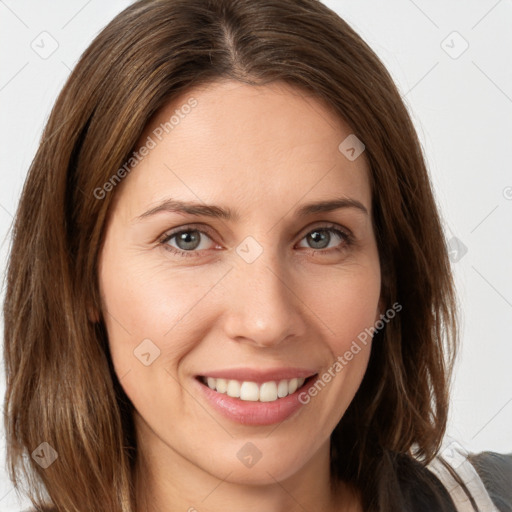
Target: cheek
145, 300
347, 304
347, 307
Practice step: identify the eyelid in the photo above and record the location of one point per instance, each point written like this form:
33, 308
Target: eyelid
187, 227
326, 225
207, 231
347, 237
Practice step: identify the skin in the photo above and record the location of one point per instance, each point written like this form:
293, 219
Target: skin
262, 152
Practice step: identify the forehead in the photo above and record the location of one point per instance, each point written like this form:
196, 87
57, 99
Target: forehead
254, 145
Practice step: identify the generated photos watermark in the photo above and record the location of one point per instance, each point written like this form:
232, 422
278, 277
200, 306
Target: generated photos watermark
343, 360
151, 142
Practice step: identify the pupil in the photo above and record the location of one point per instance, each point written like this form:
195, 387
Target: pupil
189, 239
318, 239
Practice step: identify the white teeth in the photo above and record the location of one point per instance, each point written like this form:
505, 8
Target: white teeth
233, 388
250, 391
268, 392
222, 385
282, 388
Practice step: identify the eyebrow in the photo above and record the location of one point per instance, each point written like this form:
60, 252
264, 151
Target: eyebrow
214, 211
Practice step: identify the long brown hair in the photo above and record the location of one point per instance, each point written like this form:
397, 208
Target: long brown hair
61, 387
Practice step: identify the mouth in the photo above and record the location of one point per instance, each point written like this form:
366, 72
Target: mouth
251, 391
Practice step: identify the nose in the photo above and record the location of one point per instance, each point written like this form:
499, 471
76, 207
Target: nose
262, 307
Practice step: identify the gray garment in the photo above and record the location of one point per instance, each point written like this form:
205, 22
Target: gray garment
486, 475
495, 470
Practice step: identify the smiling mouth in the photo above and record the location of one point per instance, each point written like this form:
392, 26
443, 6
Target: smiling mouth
270, 391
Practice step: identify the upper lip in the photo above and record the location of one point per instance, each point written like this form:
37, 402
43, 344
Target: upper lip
258, 375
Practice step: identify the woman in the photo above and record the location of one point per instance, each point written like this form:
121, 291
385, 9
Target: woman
238, 294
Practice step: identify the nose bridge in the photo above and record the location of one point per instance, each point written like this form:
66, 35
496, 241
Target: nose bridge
262, 306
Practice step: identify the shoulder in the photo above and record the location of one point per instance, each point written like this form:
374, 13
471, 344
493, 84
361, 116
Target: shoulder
420, 488
474, 479
495, 471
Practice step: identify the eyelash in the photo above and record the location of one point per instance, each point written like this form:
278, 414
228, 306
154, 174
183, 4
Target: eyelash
347, 239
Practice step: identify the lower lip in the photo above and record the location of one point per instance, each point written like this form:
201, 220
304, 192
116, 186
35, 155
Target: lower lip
248, 412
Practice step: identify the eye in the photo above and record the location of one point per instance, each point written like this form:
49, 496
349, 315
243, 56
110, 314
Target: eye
321, 237
188, 241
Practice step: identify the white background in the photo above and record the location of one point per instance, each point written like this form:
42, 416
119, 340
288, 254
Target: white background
461, 106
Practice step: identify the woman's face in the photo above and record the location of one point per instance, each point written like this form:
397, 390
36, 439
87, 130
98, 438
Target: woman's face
255, 295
